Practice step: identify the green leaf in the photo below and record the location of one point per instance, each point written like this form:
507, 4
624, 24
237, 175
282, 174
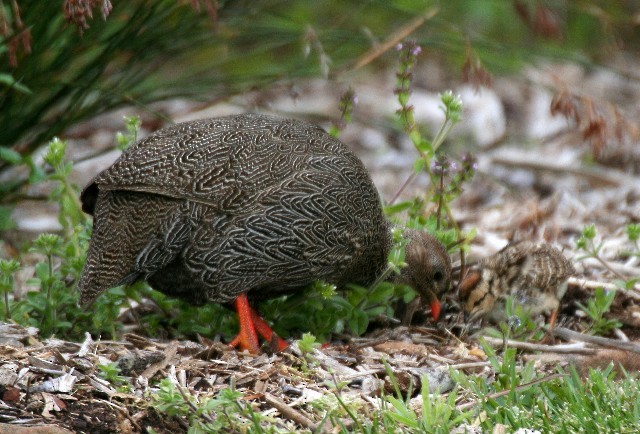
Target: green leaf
6, 222
42, 271
358, 322
633, 231
631, 283
398, 207
308, 343
419, 165
10, 82
10, 156
37, 173
381, 292
589, 232
424, 146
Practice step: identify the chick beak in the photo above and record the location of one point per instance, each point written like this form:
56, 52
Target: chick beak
435, 309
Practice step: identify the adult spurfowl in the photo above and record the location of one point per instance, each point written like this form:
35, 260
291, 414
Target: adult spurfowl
245, 207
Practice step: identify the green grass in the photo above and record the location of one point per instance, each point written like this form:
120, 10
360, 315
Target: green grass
513, 395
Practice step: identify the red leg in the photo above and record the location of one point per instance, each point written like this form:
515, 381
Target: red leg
552, 323
247, 339
251, 324
552, 319
263, 329
549, 338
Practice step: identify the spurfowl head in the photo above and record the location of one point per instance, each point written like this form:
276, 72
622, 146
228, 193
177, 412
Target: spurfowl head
428, 269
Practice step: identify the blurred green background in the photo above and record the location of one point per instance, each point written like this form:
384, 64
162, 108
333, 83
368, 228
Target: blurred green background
146, 51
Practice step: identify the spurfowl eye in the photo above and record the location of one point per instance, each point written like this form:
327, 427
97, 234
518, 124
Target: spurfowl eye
438, 276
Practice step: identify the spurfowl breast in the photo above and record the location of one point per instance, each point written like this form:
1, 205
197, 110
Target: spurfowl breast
212, 209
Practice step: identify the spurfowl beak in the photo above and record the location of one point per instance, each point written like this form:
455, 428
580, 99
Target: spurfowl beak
252, 325
435, 309
434, 303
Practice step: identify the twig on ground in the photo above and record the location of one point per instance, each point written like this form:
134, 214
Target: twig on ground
295, 415
470, 365
567, 334
612, 267
577, 348
607, 177
124, 412
169, 353
593, 284
621, 335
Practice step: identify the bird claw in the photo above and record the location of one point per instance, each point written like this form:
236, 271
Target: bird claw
252, 325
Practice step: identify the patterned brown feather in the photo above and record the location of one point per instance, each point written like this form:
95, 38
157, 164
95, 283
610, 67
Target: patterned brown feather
207, 210
533, 274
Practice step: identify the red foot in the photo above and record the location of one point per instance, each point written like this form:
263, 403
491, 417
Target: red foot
252, 325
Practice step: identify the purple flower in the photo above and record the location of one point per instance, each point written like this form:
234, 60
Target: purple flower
441, 165
469, 161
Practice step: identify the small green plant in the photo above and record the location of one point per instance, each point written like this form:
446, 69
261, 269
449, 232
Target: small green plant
587, 241
438, 415
589, 244
111, 373
348, 101
53, 306
447, 176
7, 270
66, 194
43, 306
451, 107
519, 324
597, 306
308, 343
633, 234
398, 414
507, 389
128, 138
225, 412
601, 302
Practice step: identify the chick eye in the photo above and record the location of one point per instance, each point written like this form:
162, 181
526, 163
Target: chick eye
437, 276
